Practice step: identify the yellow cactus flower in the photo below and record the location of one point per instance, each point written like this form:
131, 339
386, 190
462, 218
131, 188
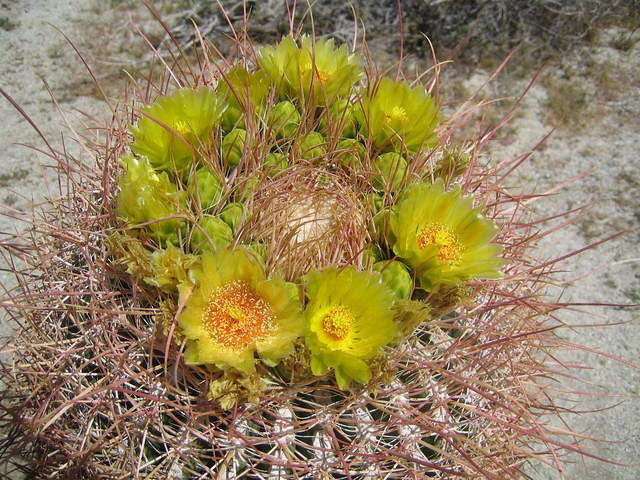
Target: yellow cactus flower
442, 237
398, 117
244, 92
276, 61
323, 70
169, 269
349, 318
236, 312
146, 195
315, 68
171, 130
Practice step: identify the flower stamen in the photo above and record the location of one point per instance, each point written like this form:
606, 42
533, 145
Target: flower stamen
398, 114
442, 237
323, 76
337, 323
182, 127
236, 317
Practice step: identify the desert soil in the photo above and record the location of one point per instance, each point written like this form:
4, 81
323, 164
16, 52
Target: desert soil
598, 84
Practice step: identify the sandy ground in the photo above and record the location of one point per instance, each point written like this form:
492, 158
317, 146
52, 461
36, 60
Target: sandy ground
602, 133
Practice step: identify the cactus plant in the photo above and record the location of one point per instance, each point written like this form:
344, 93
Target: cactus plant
273, 282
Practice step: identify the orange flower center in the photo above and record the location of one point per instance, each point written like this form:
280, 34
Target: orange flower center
442, 237
337, 323
236, 317
323, 76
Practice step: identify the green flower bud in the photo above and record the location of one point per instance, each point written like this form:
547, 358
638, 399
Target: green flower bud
350, 152
396, 276
245, 187
340, 116
376, 201
210, 230
205, 186
390, 169
371, 254
284, 119
312, 146
232, 214
259, 250
381, 224
232, 118
232, 147
275, 162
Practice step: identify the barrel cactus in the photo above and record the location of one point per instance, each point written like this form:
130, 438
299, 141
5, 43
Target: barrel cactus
283, 266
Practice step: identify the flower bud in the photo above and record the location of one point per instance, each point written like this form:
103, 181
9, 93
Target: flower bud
210, 230
205, 186
232, 147
390, 169
396, 276
232, 214
284, 119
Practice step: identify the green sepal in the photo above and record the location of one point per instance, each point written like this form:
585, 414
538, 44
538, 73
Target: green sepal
318, 367
258, 250
353, 368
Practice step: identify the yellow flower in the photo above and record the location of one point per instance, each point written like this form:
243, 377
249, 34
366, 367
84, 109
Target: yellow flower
169, 269
323, 70
315, 68
245, 93
442, 237
236, 312
174, 127
276, 61
398, 117
146, 195
349, 318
